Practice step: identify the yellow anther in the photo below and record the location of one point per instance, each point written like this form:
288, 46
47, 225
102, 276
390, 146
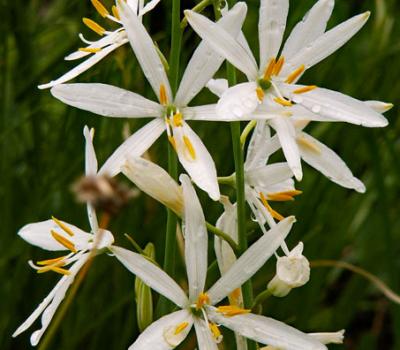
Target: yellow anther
308, 144
305, 89
295, 74
202, 300
90, 49
260, 94
93, 26
55, 268
64, 227
51, 261
215, 331
115, 12
283, 102
189, 146
100, 8
273, 213
172, 141
232, 310
181, 327
268, 71
278, 66
283, 196
63, 241
178, 119
234, 297
163, 95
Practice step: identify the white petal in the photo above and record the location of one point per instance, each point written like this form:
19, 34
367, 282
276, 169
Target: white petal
310, 28
257, 151
326, 44
325, 160
250, 261
334, 105
238, 102
266, 330
329, 337
300, 113
82, 67
268, 175
50, 304
90, 154
196, 240
155, 181
227, 222
204, 113
205, 339
218, 86
39, 234
148, 7
205, 61
155, 337
106, 100
202, 168
116, 37
379, 106
271, 26
223, 43
151, 275
287, 138
145, 51
92, 217
134, 146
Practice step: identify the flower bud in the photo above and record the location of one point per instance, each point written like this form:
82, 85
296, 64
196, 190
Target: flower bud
292, 271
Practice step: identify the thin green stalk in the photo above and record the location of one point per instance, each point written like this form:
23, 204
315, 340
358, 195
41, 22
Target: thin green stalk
170, 241
217, 232
198, 8
247, 289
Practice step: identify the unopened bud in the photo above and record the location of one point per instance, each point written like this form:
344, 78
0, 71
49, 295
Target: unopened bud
292, 271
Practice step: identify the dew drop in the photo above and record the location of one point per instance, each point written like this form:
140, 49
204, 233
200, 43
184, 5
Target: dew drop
316, 109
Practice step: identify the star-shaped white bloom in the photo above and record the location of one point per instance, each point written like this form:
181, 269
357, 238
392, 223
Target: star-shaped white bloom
57, 235
198, 307
272, 84
171, 113
110, 40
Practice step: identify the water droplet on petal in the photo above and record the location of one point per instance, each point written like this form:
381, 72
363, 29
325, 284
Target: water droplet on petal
316, 109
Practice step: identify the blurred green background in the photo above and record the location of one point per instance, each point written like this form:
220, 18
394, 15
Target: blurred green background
41, 155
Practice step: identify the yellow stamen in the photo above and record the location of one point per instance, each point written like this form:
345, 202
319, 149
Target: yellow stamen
269, 69
283, 196
100, 8
54, 268
232, 310
295, 74
93, 26
115, 12
273, 212
189, 146
283, 102
63, 241
90, 49
260, 94
305, 89
308, 144
50, 261
234, 296
215, 331
163, 95
171, 139
64, 227
278, 66
203, 299
181, 327
178, 119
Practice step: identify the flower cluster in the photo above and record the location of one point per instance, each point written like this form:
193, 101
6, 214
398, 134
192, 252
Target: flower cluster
277, 110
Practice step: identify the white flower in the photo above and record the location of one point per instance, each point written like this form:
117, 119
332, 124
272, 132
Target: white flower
272, 87
292, 271
198, 307
57, 235
171, 114
110, 40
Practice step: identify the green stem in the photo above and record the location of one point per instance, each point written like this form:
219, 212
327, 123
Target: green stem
247, 289
217, 232
227, 180
259, 299
250, 125
170, 240
198, 8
